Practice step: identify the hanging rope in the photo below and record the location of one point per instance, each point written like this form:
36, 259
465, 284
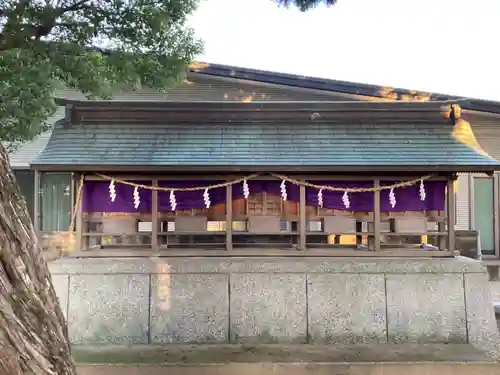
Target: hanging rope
168, 189
354, 190
278, 176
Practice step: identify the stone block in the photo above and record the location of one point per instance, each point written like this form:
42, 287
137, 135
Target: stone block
481, 322
346, 309
108, 309
61, 287
426, 308
268, 308
192, 308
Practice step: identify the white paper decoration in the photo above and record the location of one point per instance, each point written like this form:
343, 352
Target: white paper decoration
112, 191
345, 200
137, 198
284, 195
320, 197
392, 198
173, 202
246, 189
206, 198
422, 192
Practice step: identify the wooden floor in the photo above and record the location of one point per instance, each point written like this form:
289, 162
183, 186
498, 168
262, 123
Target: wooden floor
256, 252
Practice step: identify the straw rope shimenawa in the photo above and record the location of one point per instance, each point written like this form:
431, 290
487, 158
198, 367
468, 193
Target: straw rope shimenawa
64, 242
279, 176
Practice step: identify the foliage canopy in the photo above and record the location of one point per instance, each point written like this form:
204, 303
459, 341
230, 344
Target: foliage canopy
305, 5
90, 45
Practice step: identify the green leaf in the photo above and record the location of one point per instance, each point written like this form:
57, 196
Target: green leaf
95, 46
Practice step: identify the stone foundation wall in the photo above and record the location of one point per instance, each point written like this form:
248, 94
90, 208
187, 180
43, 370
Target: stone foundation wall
271, 300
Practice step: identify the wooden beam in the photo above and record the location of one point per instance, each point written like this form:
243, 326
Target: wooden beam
376, 217
264, 176
123, 251
78, 213
450, 196
259, 168
154, 218
229, 217
302, 218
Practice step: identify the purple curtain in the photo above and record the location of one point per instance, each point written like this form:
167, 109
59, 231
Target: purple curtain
269, 186
408, 198
333, 199
96, 196
186, 200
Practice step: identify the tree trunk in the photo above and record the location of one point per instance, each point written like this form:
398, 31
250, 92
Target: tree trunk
33, 333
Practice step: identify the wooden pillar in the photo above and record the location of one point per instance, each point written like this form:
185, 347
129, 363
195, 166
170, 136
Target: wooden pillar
442, 238
36, 204
229, 217
302, 218
376, 216
450, 196
154, 218
79, 212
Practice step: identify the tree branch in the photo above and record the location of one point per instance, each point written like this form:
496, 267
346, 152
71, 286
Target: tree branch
16, 36
73, 7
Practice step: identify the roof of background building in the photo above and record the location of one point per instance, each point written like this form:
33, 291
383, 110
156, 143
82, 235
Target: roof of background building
330, 85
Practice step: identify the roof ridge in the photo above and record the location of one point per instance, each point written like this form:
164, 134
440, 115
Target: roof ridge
331, 85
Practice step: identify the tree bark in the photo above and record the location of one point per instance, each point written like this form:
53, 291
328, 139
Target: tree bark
33, 333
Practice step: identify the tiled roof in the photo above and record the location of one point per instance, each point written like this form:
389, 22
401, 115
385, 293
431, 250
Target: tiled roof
240, 145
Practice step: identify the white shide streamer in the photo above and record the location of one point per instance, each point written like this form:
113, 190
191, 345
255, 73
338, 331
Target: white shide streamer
206, 198
173, 202
112, 191
284, 195
422, 192
137, 198
246, 189
392, 198
345, 200
320, 197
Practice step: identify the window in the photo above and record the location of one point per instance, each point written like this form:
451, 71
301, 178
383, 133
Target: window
55, 201
26, 180
484, 213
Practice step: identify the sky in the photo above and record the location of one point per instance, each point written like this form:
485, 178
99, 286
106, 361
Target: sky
443, 46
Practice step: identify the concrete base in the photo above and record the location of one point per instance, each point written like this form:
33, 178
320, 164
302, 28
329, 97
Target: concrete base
276, 300
372, 359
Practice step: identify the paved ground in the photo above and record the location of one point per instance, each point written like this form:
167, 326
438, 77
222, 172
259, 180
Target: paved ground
300, 369
196, 354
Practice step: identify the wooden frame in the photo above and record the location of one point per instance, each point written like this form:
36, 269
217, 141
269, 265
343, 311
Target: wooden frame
496, 210
79, 215
376, 248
